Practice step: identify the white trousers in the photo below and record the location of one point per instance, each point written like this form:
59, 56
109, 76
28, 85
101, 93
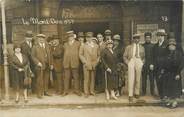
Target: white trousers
134, 76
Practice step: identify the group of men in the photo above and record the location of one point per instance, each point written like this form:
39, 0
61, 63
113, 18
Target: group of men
77, 63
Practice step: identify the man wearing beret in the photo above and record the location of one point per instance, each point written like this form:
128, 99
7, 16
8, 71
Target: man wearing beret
160, 51
71, 63
57, 57
134, 58
42, 58
89, 55
26, 48
148, 68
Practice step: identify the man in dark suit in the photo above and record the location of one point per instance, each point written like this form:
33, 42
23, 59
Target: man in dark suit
160, 51
26, 48
148, 66
71, 63
57, 57
42, 58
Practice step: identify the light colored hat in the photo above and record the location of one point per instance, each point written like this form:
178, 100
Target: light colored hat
161, 32
89, 34
29, 34
135, 36
70, 33
116, 37
41, 35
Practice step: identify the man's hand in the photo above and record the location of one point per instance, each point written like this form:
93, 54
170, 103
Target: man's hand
20, 69
151, 67
109, 70
177, 77
40, 64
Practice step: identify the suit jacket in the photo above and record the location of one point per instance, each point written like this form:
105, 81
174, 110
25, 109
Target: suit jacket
159, 54
42, 55
71, 55
128, 54
57, 57
89, 55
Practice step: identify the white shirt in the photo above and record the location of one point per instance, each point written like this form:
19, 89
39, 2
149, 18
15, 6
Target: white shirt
29, 43
19, 56
161, 42
42, 45
134, 49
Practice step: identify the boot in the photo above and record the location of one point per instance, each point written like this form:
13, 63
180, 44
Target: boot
113, 95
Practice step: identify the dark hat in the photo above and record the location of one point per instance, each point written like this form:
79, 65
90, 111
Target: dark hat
55, 36
70, 33
80, 34
89, 34
135, 36
107, 32
16, 46
41, 35
116, 37
147, 34
161, 32
109, 41
172, 41
49, 39
29, 34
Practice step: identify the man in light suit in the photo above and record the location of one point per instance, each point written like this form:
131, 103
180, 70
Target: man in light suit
71, 63
89, 55
134, 58
42, 59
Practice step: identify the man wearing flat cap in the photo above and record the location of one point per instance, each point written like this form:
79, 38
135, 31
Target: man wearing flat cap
148, 68
89, 55
57, 57
134, 58
42, 58
26, 48
160, 51
71, 63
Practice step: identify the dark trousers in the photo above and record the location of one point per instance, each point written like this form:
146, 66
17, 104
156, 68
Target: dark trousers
42, 81
58, 82
68, 74
160, 83
145, 74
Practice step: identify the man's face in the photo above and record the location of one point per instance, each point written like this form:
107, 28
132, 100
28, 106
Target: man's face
109, 46
100, 38
70, 38
116, 42
136, 40
161, 37
81, 39
41, 40
148, 39
54, 42
88, 39
108, 37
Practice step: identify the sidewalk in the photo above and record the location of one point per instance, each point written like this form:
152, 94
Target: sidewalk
74, 101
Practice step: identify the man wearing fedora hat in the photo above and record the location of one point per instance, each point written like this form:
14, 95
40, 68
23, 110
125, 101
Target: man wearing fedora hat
71, 63
26, 48
89, 55
134, 57
57, 57
42, 59
160, 51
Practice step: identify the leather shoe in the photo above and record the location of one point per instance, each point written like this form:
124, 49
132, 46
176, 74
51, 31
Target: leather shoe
46, 94
137, 96
130, 99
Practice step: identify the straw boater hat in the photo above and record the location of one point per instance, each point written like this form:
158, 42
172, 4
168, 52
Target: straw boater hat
89, 34
41, 35
136, 36
29, 34
161, 32
70, 33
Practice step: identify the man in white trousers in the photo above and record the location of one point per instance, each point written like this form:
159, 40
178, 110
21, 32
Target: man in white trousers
134, 58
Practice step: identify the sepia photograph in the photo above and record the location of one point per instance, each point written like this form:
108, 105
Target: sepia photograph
91, 58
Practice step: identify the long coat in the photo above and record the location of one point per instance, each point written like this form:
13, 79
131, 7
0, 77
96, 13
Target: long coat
42, 55
108, 59
18, 77
172, 66
57, 57
71, 55
89, 55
